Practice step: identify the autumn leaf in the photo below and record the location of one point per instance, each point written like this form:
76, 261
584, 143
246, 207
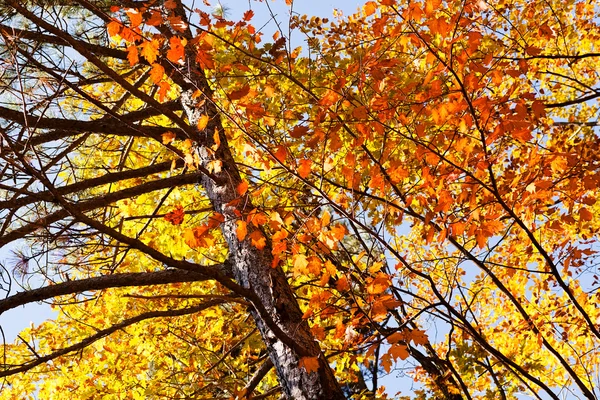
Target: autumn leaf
150, 50
257, 217
399, 351
304, 168
168, 137
163, 89
155, 19
241, 230
135, 17
242, 188
248, 15
238, 94
132, 55
176, 52
299, 131
310, 364
585, 214
369, 8
202, 122
258, 240
156, 73
113, 28
176, 216
418, 337
379, 284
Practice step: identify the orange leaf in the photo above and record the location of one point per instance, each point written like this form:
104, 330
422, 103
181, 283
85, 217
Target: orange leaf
431, 6
360, 112
399, 350
155, 19
242, 188
310, 364
304, 168
133, 55
342, 284
248, 15
135, 17
176, 216
177, 23
299, 131
258, 240
202, 122
242, 230
585, 214
379, 284
176, 50
163, 88
168, 137
369, 8
257, 217
280, 153
418, 337
156, 73
150, 50
113, 28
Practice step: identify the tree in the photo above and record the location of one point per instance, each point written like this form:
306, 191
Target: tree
213, 216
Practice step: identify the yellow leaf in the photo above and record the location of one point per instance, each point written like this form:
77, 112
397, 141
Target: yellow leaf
300, 263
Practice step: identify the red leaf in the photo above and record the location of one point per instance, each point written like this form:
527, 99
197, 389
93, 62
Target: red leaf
176, 216
238, 94
299, 131
248, 15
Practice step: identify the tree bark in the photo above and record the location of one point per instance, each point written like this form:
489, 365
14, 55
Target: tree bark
252, 267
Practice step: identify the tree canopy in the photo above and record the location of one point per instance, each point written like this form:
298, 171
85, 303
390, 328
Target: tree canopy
215, 213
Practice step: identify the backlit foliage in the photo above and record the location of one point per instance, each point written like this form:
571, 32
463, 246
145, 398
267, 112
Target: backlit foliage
424, 173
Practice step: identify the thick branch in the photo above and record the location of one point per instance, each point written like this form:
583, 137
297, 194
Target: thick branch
19, 34
99, 283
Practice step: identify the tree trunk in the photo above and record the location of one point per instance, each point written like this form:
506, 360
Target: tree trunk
252, 267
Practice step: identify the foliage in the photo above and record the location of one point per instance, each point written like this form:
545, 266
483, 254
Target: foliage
214, 215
